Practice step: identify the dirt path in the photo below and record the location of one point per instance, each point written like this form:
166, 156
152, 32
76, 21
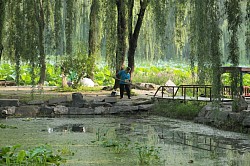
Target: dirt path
17, 91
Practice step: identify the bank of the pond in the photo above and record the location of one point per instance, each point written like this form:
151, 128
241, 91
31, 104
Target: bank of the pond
18, 103
221, 117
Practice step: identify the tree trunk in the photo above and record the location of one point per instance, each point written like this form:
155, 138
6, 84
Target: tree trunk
68, 26
134, 37
41, 25
93, 30
2, 11
121, 37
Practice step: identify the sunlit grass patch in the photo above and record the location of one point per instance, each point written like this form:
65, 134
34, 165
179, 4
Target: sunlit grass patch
177, 109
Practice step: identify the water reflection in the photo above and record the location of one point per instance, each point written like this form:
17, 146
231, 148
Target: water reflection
70, 128
181, 143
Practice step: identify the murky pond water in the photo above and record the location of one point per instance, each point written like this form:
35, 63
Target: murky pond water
112, 140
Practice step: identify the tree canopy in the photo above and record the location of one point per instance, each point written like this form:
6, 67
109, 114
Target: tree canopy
207, 34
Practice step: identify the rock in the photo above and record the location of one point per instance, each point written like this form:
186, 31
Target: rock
145, 107
99, 103
80, 111
35, 102
9, 111
57, 100
100, 110
235, 117
110, 99
246, 122
243, 104
30, 111
61, 110
9, 102
77, 100
87, 82
243, 114
172, 89
144, 102
145, 86
122, 109
45, 110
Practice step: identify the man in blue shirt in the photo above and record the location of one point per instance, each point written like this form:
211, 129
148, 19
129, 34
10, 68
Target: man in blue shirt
124, 77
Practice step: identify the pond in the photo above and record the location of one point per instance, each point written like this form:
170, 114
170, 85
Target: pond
129, 140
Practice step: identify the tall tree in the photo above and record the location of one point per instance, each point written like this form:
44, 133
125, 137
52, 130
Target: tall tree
133, 35
93, 37
121, 36
248, 31
121, 33
215, 35
57, 27
39, 11
18, 36
69, 25
234, 21
2, 11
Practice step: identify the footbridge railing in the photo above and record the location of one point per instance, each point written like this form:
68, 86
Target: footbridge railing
185, 92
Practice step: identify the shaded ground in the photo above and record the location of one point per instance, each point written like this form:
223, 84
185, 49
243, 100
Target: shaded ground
25, 93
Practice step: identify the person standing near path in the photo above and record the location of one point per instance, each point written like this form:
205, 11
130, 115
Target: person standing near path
124, 77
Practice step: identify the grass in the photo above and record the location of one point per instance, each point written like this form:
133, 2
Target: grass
177, 109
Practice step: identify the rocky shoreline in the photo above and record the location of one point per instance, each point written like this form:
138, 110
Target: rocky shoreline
78, 104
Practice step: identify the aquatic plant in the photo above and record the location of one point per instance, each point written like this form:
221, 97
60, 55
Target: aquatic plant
3, 126
41, 155
104, 139
147, 154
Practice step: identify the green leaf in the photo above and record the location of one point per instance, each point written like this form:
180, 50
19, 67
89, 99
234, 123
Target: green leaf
21, 156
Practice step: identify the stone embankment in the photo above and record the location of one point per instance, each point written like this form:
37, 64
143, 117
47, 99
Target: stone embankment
224, 118
78, 105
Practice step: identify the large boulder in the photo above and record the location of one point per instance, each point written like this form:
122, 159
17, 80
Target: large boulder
77, 100
171, 89
87, 82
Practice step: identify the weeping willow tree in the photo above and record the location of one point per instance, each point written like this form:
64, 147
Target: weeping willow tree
30, 41
234, 20
134, 33
69, 26
93, 37
2, 11
180, 9
17, 39
109, 32
214, 46
247, 18
202, 40
58, 40
39, 13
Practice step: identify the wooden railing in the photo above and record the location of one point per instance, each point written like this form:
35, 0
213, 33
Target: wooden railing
195, 91
198, 91
243, 91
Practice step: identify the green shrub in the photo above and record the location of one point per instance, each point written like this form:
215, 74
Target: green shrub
177, 109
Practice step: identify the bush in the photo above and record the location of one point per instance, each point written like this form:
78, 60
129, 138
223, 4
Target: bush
178, 109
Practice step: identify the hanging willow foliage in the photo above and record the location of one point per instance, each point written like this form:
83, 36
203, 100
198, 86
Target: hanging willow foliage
69, 25
180, 14
247, 22
215, 34
234, 20
109, 31
18, 36
93, 37
57, 27
199, 30
2, 11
